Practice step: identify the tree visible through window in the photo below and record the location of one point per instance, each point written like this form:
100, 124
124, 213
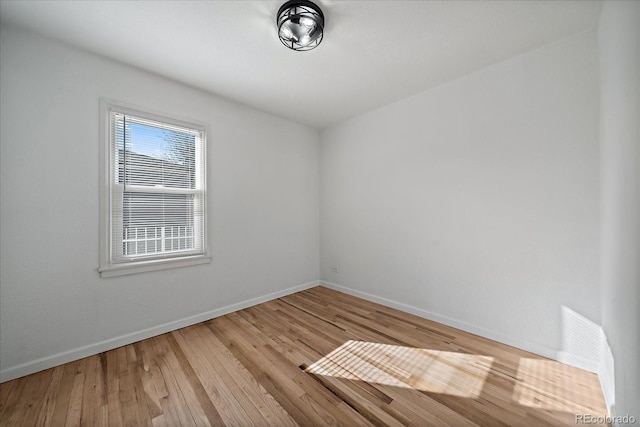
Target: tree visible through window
157, 198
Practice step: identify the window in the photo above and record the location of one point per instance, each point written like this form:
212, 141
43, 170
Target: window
154, 192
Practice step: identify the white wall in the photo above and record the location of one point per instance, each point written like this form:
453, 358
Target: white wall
619, 37
263, 208
475, 203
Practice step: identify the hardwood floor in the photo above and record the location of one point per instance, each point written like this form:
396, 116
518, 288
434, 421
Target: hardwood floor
317, 357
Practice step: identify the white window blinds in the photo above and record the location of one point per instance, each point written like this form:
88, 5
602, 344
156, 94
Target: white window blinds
157, 189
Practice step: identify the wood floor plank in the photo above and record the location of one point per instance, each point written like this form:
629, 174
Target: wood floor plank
47, 409
112, 389
199, 393
175, 406
230, 370
89, 401
10, 391
316, 357
148, 372
262, 371
74, 409
225, 389
63, 394
21, 410
281, 376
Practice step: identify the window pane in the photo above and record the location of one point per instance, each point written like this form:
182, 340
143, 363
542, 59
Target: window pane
157, 222
154, 154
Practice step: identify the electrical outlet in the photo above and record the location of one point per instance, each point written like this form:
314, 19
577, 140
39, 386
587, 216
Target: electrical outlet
335, 269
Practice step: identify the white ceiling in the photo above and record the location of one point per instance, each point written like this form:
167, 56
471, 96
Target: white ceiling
373, 52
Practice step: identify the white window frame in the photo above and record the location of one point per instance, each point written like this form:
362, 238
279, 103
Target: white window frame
109, 268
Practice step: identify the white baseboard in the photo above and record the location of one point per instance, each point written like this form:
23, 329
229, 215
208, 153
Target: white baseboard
569, 358
606, 375
532, 347
47, 362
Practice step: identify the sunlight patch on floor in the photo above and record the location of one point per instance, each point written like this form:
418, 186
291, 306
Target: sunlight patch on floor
551, 385
434, 371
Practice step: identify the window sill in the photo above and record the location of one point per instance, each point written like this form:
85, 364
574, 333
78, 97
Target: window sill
153, 265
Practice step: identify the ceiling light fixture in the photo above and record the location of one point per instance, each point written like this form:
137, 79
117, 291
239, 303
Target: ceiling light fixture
300, 24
